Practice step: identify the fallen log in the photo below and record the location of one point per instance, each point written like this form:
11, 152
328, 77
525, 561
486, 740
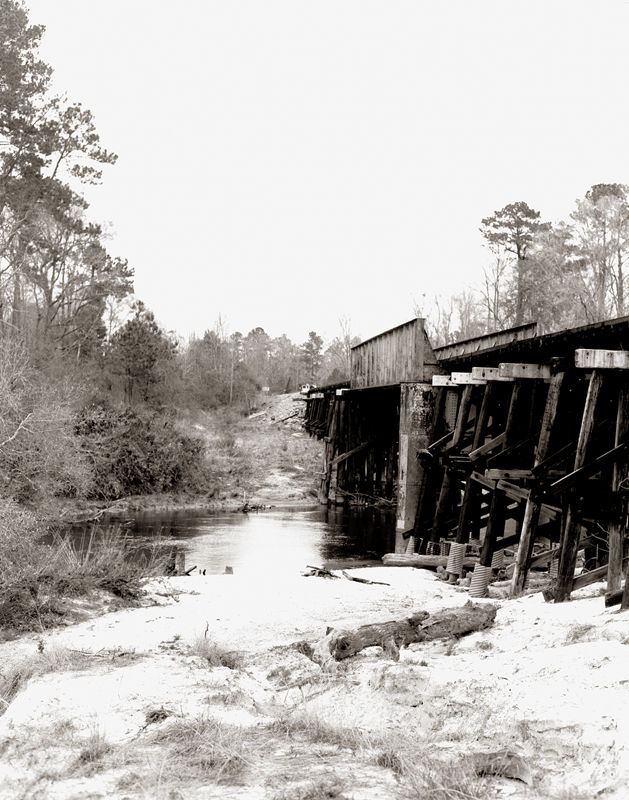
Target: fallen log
422, 561
451, 623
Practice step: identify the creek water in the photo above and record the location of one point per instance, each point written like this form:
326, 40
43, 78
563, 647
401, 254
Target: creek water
278, 538
273, 539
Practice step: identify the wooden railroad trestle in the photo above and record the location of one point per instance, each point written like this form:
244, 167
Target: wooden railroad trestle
535, 457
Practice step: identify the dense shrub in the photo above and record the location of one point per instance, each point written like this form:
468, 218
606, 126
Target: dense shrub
135, 451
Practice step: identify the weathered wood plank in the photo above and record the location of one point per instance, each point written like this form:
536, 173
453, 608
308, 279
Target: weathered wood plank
544, 558
508, 474
525, 371
465, 378
488, 447
344, 456
442, 380
601, 359
490, 374
483, 481
591, 468
588, 578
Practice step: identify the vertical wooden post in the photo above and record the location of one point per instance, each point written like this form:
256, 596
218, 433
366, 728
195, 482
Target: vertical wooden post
334, 468
328, 453
495, 527
496, 520
513, 420
624, 603
426, 488
470, 504
483, 415
534, 504
571, 529
618, 525
445, 493
416, 414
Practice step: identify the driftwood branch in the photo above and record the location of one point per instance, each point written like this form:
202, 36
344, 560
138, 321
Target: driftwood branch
362, 580
319, 572
421, 627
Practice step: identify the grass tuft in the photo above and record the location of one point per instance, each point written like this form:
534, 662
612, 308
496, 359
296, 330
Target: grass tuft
202, 749
216, 656
579, 633
431, 779
93, 751
315, 730
54, 659
327, 787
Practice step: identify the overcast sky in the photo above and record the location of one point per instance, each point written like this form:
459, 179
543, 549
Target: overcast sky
287, 163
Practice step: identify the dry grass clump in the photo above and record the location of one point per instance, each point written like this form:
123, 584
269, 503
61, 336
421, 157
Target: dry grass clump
36, 578
202, 749
326, 787
579, 633
431, 779
94, 750
314, 729
54, 659
216, 656
423, 775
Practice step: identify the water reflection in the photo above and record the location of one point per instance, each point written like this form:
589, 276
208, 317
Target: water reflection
279, 538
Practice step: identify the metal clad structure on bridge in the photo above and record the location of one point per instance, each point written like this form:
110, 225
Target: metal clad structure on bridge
400, 355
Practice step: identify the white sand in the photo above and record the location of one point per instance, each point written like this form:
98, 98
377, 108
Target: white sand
548, 681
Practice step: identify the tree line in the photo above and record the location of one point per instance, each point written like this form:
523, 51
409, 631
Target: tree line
89, 380
562, 274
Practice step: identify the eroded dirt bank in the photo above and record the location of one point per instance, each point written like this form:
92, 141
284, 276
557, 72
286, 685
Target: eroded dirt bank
202, 696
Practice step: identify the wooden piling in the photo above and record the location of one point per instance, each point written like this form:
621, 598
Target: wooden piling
415, 423
571, 528
329, 452
495, 527
534, 504
620, 509
447, 488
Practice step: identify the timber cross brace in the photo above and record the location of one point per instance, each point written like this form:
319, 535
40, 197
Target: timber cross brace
509, 441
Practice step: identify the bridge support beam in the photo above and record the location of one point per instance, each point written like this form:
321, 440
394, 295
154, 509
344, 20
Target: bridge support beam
416, 411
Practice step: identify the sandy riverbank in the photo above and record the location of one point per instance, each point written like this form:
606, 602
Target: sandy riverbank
547, 682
